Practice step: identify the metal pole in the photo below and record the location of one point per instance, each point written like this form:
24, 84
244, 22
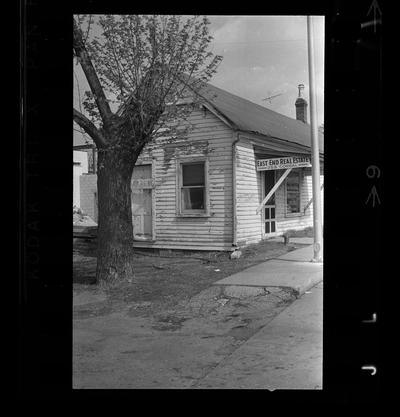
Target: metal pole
314, 149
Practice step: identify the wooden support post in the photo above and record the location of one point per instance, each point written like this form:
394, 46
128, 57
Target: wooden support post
309, 203
234, 186
273, 189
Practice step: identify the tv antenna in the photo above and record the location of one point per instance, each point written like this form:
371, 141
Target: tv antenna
269, 98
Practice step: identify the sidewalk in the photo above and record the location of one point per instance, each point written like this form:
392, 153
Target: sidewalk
293, 270
203, 343
287, 352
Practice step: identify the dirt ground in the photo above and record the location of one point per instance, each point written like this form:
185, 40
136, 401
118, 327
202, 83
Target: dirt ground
168, 327
160, 281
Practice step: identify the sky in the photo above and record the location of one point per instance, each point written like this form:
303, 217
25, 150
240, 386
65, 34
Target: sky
267, 55
263, 56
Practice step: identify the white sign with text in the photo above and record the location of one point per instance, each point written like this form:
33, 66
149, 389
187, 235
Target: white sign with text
284, 162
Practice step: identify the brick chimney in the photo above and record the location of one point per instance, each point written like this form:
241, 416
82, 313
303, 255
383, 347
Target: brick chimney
301, 106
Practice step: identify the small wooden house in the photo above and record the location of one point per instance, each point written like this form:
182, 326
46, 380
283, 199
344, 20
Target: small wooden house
204, 191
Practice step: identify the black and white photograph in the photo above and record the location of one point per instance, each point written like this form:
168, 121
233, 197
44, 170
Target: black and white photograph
198, 201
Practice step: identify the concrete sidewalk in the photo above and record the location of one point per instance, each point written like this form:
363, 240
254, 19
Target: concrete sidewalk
293, 270
285, 354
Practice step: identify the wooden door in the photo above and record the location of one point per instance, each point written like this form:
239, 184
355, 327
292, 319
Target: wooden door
269, 209
142, 193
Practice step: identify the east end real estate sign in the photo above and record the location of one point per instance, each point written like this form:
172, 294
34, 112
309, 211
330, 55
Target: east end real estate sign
284, 162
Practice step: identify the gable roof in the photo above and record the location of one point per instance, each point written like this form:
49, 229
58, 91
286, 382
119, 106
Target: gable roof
247, 116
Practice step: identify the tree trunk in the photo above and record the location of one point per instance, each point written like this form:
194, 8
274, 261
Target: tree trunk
115, 261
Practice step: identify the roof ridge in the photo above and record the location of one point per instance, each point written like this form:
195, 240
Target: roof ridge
248, 116
259, 106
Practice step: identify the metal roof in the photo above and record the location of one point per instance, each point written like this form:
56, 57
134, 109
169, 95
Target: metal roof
251, 117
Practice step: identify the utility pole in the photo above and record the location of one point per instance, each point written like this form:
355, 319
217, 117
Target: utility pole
314, 148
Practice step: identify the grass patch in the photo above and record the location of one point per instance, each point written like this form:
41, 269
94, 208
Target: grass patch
306, 232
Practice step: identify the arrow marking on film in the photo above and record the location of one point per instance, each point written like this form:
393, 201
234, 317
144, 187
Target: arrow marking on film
375, 6
374, 195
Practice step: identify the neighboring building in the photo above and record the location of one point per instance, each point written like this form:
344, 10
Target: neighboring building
80, 167
203, 192
85, 182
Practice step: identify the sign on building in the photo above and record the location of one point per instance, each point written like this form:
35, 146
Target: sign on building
284, 162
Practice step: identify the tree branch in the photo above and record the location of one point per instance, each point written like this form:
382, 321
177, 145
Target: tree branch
91, 76
89, 128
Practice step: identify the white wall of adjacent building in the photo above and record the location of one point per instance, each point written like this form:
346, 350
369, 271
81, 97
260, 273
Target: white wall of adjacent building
88, 195
80, 160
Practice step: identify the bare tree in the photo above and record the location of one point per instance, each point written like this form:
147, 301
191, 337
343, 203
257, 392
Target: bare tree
142, 66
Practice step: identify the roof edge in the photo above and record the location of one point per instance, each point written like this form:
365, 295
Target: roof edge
277, 140
220, 115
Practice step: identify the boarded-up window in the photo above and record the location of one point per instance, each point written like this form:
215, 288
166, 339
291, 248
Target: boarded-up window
193, 186
293, 193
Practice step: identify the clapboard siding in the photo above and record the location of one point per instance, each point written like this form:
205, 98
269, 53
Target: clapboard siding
247, 195
211, 139
305, 219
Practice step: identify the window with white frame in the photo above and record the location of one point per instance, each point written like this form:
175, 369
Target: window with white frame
193, 187
293, 183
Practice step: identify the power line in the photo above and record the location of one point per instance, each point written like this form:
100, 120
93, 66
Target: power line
252, 42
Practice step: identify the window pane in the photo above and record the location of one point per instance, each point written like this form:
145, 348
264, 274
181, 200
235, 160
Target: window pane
193, 198
193, 174
266, 227
269, 183
272, 227
293, 181
293, 203
267, 214
293, 192
272, 212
